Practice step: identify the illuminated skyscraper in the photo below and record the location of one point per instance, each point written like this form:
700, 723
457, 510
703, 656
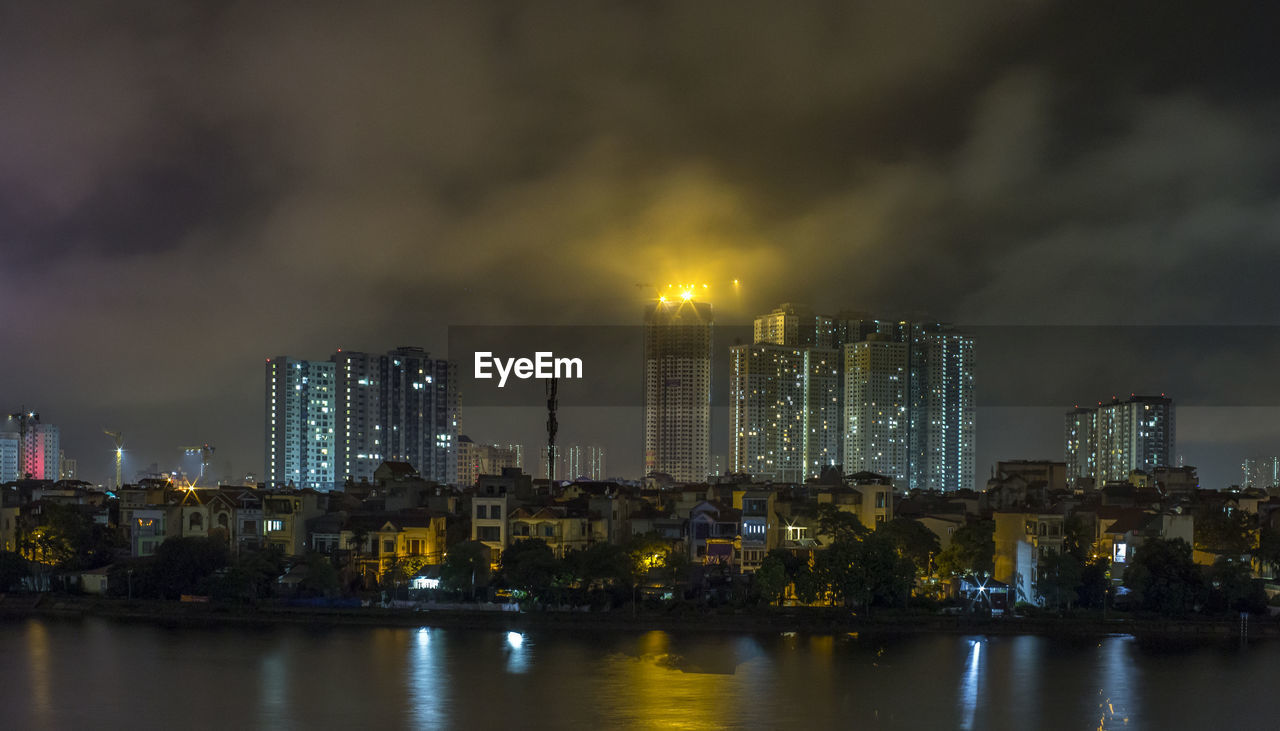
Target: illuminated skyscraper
300, 423
942, 409
10, 456
677, 388
1081, 444
876, 408
890, 397
1108, 442
32, 449
784, 409
795, 325
399, 406
584, 461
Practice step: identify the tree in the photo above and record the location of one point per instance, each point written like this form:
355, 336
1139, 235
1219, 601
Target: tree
1058, 579
913, 541
866, 571
530, 565
1232, 588
321, 578
68, 538
1076, 540
972, 550
839, 524
1268, 550
184, 565
1164, 578
251, 577
1224, 531
770, 580
466, 566
1094, 583
356, 542
13, 568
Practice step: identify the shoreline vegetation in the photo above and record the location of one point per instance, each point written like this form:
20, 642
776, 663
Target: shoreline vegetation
803, 620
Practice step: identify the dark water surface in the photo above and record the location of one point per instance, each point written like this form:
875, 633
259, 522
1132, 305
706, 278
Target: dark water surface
100, 674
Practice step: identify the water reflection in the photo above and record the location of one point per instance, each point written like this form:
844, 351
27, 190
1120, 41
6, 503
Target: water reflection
969, 684
38, 668
551, 679
428, 681
1118, 703
274, 694
517, 653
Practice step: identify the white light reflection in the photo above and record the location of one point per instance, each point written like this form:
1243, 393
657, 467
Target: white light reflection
518, 657
969, 684
428, 683
273, 692
1116, 701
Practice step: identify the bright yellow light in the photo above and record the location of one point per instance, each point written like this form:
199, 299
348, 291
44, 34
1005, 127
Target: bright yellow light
662, 299
735, 282
686, 295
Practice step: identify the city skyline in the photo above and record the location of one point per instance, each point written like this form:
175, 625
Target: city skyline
186, 191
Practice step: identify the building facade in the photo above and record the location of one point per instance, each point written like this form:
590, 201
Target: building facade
784, 408
677, 383
942, 408
10, 457
584, 461
301, 423
876, 417
1106, 443
398, 406
893, 398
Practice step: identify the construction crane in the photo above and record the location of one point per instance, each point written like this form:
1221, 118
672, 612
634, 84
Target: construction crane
206, 456
118, 438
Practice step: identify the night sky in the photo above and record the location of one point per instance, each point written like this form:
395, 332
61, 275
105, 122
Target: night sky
187, 190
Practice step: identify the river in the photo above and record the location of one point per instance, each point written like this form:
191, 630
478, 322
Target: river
96, 673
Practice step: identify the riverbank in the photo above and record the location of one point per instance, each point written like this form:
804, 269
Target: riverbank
809, 621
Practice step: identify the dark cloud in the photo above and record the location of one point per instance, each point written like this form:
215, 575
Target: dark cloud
185, 190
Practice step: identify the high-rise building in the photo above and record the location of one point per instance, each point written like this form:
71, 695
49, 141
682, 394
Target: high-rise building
795, 325
32, 449
584, 461
942, 408
398, 406
677, 383
301, 423
1261, 472
784, 408
518, 451
481, 459
900, 401
1108, 442
1081, 444
877, 418
10, 456
67, 467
